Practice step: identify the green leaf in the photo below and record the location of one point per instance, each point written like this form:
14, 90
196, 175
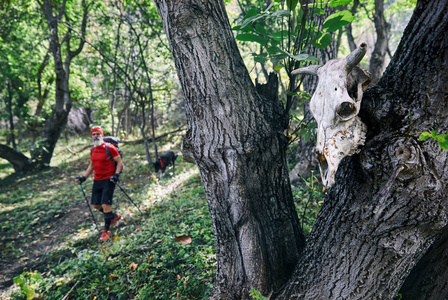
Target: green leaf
274, 50
317, 11
260, 59
337, 20
442, 139
335, 3
424, 136
278, 67
304, 57
292, 4
250, 13
321, 40
308, 136
250, 18
312, 125
302, 131
260, 29
281, 13
279, 34
250, 37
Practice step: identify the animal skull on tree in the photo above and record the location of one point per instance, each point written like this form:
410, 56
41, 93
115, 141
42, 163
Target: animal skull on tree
335, 106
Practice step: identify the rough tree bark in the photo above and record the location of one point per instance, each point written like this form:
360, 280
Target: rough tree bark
235, 136
389, 203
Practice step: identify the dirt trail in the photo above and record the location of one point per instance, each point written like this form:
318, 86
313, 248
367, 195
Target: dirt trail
43, 243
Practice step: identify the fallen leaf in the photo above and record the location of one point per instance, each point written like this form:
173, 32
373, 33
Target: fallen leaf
133, 266
183, 239
178, 276
116, 238
112, 276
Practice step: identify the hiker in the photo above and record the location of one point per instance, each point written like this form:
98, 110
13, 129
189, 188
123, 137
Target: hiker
106, 170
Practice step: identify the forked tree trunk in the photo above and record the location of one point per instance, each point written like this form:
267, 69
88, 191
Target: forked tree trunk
389, 203
63, 103
234, 135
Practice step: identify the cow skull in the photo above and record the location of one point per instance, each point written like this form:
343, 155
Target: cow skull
335, 106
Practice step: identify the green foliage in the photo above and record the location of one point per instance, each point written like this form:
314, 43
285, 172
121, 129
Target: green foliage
307, 131
256, 295
337, 20
285, 33
28, 283
442, 139
308, 199
167, 253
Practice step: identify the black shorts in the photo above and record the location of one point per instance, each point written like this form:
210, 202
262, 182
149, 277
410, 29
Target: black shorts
102, 192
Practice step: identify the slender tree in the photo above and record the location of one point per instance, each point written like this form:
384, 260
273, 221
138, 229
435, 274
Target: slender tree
54, 126
388, 205
60, 47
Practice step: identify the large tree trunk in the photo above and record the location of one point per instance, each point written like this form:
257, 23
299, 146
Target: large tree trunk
389, 203
235, 136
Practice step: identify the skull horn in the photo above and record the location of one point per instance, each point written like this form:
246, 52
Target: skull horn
355, 57
312, 70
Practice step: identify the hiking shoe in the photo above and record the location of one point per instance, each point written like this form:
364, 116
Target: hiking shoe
115, 220
105, 235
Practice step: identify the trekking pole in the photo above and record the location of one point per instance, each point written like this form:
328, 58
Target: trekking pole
87, 201
129, 198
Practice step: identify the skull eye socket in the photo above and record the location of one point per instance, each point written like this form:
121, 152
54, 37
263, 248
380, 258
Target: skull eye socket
346, 110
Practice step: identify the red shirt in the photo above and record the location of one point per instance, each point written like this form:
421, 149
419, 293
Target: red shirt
103, 165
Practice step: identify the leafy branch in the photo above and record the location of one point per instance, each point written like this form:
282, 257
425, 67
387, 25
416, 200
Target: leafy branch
442, 139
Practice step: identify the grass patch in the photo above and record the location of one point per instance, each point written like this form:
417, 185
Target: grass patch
165, 253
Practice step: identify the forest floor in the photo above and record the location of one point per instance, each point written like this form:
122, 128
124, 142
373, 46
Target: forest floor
49, 240
25, 251
49, 243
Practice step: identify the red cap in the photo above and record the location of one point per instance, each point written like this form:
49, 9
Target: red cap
96, 129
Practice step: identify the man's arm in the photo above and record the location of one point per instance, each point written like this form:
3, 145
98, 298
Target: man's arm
119, 162
86, 173
118, 169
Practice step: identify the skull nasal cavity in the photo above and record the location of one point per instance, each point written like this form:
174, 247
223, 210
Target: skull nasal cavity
346, 110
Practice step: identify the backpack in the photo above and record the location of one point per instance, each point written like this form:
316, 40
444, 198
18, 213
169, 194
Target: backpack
114, 141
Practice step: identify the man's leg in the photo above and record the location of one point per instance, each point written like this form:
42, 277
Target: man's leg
97, 191
110, 218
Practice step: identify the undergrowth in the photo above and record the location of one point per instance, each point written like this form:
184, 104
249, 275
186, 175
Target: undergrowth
165, 253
